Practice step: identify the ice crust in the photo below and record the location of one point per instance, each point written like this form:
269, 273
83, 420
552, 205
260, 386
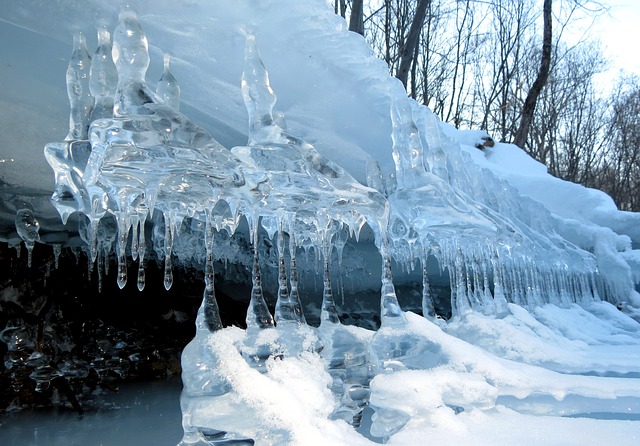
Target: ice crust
525, 282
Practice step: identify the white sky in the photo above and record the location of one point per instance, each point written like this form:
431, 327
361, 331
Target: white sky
619, 31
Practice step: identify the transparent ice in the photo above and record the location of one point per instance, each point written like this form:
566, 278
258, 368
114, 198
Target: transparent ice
132, 161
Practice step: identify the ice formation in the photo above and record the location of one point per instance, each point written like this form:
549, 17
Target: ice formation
144, 176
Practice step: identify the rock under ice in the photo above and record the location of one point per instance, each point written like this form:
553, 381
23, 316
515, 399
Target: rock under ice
148, 180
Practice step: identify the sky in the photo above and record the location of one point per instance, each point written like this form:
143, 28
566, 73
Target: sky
619, 32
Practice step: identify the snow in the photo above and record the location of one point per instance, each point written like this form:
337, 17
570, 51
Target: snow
557, 360
500, 390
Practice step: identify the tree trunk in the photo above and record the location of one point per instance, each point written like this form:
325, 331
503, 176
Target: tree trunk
529, 106
408, 49
356, 20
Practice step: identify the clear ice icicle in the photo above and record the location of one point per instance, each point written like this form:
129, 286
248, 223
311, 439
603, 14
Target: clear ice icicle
428, 309
288, 308
103, 77
258, 96
78, 90
167, 88
499, 298
124, 224
328, 313
68, 159
131, 56
134, 237
258, 315
294, 295
99, 269
141, 246
168, 249
283, 311
460, 304
209, 302
490, 307
390, 312
27, 227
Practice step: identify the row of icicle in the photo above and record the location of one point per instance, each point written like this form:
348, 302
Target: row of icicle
480, 281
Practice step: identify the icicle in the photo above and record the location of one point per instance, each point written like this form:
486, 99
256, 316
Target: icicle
78, 90
524, 284
282, 313
476, 304
516, 288
134, 237
258, 96
167, 87
258, 315
473, 283
293, 272
142, 250
131, 57
489, 302
428, 309
103, 77
594, 286
57, 249
107, 260
341, 240
76, 251
535, 297
100, 262
123, 237
90, 266
565, 300
288, 310
461, 300
168, 248
499, 298
93, 238
210, 304
27, 227
553, 288
390, 312
329, 313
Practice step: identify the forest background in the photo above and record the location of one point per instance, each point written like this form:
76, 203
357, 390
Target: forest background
527, 72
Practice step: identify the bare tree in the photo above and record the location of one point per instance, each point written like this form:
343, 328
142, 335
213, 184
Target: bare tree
621, 172
529, 107
480, 64
407, 49
356, 19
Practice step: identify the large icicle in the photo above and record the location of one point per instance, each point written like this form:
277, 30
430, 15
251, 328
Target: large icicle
209, 302
103, 77
78, 89
288, 308
258, 315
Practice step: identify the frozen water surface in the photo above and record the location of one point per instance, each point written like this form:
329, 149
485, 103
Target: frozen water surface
529, 301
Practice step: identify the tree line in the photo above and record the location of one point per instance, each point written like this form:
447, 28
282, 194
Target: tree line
517, 69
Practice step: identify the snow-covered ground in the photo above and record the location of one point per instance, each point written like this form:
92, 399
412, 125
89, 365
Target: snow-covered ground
551, 376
